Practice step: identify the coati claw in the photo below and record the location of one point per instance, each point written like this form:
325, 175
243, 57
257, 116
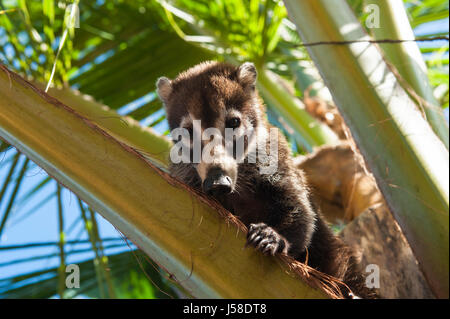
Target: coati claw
266, 239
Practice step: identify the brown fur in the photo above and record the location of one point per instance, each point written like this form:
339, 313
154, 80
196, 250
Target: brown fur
276, 207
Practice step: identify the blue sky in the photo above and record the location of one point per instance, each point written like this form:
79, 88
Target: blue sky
42, 224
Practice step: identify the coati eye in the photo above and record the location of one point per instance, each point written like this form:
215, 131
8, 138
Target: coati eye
233, 122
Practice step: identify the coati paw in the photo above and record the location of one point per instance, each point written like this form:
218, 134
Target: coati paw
266, 239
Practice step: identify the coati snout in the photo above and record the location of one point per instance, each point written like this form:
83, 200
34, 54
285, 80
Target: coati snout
217, 167
217, 183
274, 205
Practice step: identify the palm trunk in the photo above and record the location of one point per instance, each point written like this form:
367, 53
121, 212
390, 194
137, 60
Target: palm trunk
409, 162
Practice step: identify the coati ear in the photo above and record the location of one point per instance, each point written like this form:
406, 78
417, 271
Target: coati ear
164, 88
247, 74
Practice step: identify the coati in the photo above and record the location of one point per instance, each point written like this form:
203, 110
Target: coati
276, 207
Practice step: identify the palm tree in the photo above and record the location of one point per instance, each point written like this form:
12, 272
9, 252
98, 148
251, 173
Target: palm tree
115, 57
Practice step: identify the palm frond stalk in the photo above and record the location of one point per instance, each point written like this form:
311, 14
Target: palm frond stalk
126, 129
311, 131
408, 60
180, 231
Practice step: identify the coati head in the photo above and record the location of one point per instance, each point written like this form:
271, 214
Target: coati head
220, 96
